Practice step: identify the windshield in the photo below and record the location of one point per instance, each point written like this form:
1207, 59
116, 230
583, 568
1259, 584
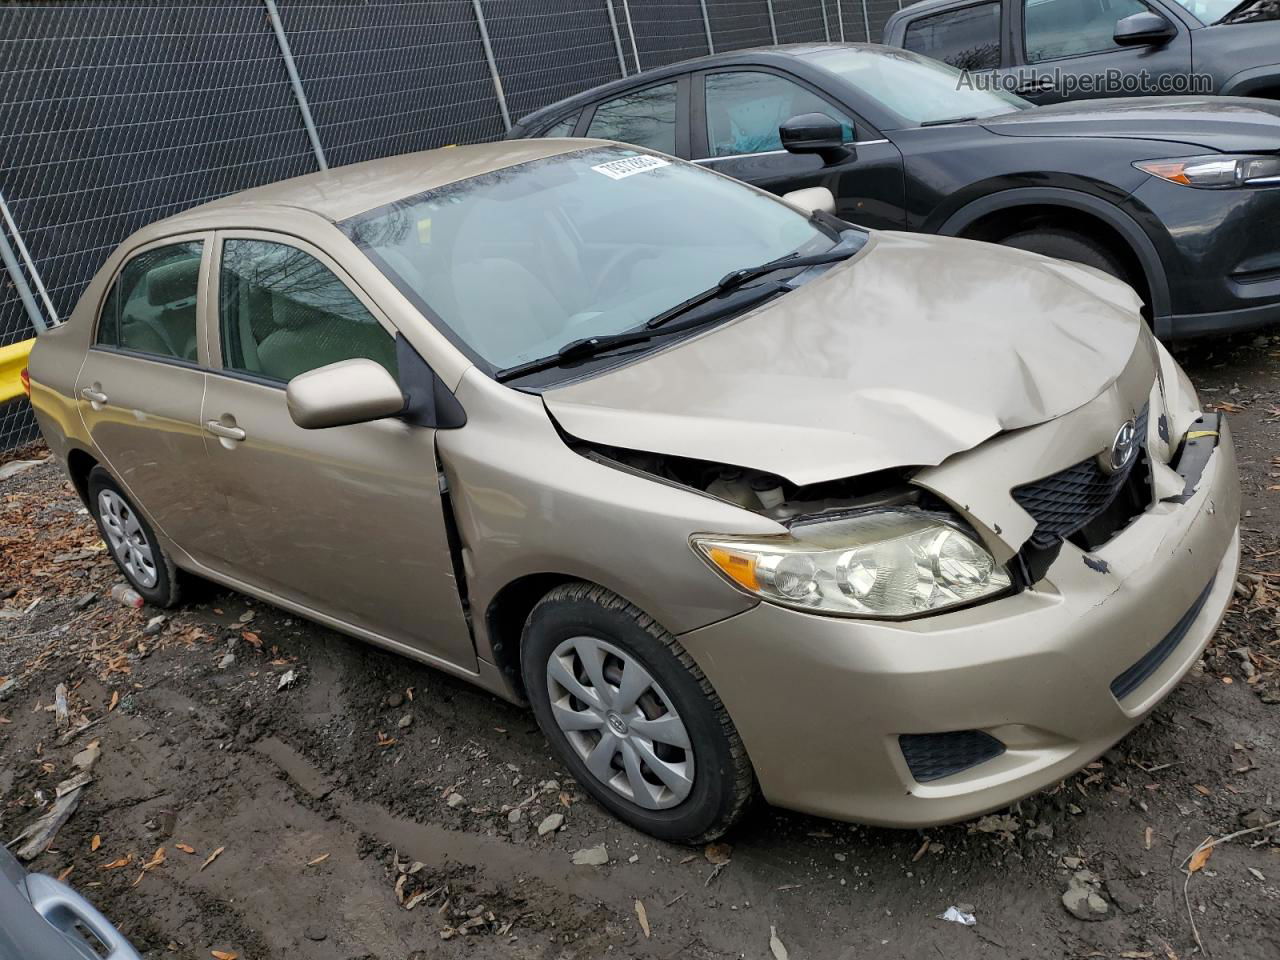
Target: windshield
521, 261
1211, 11
915, 88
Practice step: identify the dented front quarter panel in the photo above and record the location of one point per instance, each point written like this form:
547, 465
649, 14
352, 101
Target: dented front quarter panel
916, 349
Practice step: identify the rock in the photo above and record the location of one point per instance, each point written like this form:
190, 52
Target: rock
86, 758
314, 934
1084, 902
1072, 863
514, 815
154, 626
1114, 757
394, 700
405, 722
228, 659
8, 592
1254, 818
455, 800
1124, 898
550, 824
246, 616
83, 601
591, 856
7, 688
966, 908
1042, 831
286, 680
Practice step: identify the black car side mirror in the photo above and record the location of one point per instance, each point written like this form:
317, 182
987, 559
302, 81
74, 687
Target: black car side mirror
1146, 29
814, 133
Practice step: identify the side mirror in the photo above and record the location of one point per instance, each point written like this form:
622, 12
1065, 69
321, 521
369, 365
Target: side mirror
343, 393
1146, 29
812, 199
814, 133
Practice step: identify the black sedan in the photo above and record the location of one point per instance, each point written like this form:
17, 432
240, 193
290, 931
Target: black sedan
1178, 196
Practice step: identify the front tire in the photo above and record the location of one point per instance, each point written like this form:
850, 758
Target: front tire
1066, 245
131, 542
633, 717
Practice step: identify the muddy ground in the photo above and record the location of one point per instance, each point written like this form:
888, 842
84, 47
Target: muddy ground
367, 807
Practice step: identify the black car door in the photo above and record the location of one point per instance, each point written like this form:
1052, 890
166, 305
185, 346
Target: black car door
734, 117
1063, 50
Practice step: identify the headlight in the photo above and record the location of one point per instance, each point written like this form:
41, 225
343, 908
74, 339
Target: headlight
884, 563
1216, 171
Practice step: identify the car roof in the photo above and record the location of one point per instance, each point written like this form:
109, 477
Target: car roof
923, 6
346, 191
785, 54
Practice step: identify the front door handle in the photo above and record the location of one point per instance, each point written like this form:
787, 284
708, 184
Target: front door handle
93, 396
1029, 88
220, 429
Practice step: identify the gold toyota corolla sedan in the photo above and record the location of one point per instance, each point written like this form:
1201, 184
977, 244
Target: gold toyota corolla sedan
737, 496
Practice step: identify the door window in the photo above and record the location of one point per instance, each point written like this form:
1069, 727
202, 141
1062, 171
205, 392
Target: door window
151, 307
282, 312
646, 118
968, 38
745, 110
1071, 28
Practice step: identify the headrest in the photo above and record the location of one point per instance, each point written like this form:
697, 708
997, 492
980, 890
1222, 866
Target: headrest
173, 281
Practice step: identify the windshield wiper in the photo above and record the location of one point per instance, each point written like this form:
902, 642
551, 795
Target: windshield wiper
592, 346
941, 123
1240, 12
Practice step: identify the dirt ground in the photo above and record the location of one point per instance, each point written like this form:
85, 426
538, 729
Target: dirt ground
367, 807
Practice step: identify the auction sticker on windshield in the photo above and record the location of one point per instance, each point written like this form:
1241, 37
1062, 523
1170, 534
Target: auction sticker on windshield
621, 169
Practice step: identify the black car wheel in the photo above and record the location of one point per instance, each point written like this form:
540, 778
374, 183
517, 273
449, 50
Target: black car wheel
132, 544
632, 716
1064, 245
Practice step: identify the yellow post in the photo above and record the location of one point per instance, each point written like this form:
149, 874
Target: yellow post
12, 359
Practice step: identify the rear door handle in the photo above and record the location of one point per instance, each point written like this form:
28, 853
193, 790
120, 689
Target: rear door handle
93, 396
220, 429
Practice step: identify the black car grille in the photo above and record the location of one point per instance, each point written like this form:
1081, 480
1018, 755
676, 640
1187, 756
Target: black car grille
1065, 502
932, 756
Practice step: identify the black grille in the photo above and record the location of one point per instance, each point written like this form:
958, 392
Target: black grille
1065, 502
932, 756
1137, 674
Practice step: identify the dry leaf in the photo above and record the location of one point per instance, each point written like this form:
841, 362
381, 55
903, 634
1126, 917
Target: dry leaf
1200, 859
1204, 791
115, 699
1147, 837
117, 864
1137, 954
718, 853
62, 877
643, 917
384, 741
224, 955
95, 843
320, 859
157, 858
212, 857
924, 848
775, 945
252, 639
185, 847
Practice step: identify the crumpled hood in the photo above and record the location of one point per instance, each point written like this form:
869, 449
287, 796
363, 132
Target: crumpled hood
917, 348
1228, 124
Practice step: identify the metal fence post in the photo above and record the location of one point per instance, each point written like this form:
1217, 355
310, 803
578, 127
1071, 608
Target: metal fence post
20, 283
631, 31
706, 25
296, 82
826, 26
493, 64
617, 38
773, 25
25, 254
866, 20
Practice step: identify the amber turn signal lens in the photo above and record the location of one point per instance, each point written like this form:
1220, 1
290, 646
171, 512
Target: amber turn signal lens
738, 567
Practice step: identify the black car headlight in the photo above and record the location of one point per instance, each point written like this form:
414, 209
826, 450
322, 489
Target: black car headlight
1217, 171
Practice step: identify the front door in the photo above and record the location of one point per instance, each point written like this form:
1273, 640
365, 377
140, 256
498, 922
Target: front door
734, 128
1065, 51
347, 521
140, 388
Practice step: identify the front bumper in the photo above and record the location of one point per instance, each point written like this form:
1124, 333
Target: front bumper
820, 702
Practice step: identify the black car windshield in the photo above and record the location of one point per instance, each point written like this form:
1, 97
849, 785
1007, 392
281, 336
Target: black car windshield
916, 89
521, 261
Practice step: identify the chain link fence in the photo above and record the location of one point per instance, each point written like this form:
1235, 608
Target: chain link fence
116, 113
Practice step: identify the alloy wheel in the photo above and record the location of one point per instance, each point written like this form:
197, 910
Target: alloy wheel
620, 722
126, 538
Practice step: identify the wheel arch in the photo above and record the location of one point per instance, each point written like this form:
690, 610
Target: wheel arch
79, 464
983, 218
505, 616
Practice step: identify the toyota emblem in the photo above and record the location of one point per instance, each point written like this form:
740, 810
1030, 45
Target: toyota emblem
1123, 448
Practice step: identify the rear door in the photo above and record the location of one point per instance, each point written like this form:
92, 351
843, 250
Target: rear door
140, 388
734, 129
347, 521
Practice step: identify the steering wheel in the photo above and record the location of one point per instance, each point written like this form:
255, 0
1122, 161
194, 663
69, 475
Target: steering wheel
617, 261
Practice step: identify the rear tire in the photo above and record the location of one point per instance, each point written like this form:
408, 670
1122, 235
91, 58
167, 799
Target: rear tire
666, 759
1065, 245
131, 542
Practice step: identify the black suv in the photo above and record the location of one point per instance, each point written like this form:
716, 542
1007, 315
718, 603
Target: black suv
1051, 50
